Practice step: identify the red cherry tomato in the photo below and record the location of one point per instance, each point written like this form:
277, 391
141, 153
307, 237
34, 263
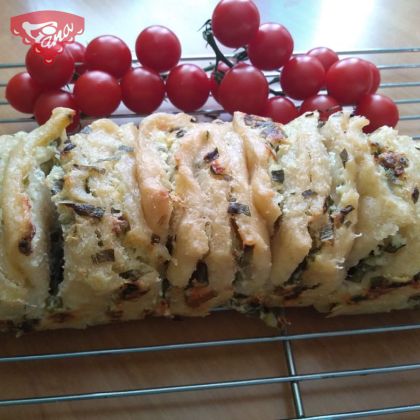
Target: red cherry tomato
50, 75
271, 47
158, 48
188, 87
142, 90
244, 88
324, 104
379, 110
22, 92
235, 22
77, 50
376, 77
222, 68
302, 77
110, 54
53, 99
281, 109
97, 93
325, 55
348, 80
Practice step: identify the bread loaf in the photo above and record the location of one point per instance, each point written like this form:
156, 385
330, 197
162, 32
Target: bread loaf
178, 217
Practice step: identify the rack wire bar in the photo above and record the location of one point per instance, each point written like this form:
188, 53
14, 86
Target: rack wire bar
398, 66
409, 117
209, 344
397, 101
211, 385
407, 101
399, 85
297, 397
367, 413
210, 112
211, 57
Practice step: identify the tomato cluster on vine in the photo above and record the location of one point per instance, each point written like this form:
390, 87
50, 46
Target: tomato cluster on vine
104, 76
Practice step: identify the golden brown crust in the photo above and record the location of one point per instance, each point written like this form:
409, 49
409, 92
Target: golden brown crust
191, 243
261, 136
153, 150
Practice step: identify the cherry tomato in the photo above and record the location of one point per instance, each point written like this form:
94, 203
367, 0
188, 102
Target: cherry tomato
142, 90
110, 54
188, 87
222, 68
235, 22
50, 75
22, 92
271, 47
379, 110
348, 80
158, 48
47, 101
244, 88
324, 104
97, 93
77, 50
302, 77
325, 55
281, 109
376, 77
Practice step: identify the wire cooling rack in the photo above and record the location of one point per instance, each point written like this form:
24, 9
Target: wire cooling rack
294, 377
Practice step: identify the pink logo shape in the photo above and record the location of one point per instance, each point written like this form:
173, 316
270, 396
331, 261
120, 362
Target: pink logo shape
48, 30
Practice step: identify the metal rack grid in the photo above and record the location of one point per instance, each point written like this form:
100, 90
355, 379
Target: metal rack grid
294, 378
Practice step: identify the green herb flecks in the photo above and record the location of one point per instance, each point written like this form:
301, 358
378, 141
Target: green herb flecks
278, 176
238, 208
106, 255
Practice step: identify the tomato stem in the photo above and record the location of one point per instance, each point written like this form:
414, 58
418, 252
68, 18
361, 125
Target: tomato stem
275, 79
209, 37
241, 54
277, 92
210, 67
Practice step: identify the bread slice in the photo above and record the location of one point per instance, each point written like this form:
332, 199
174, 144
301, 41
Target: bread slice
112, 258
171, 202
251, 241
325, 271
202, 268
27, 215
388, 276
399, 159
157, 141
300, 194
261, 138
381, 211
190, 242
196, 182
